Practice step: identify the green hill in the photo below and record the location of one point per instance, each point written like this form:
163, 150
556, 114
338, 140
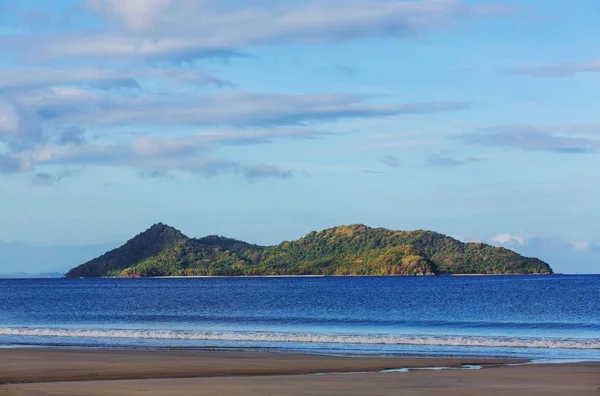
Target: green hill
346, 250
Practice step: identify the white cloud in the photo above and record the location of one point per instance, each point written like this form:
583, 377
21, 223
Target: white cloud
561, 254
467, 238
518, 238
135, 14
581, 246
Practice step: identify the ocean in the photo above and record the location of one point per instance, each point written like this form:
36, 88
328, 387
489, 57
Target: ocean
540, 317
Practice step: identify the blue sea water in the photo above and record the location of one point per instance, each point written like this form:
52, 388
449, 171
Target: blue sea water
544, 317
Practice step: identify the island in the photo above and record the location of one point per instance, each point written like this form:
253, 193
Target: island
345, 250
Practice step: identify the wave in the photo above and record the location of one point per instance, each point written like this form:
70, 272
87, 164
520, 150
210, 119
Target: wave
321, 338
127, 317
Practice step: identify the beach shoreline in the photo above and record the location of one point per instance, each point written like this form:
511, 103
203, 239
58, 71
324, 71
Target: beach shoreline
55, 371
23, 365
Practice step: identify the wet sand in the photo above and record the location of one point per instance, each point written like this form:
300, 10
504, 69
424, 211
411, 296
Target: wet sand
189, 372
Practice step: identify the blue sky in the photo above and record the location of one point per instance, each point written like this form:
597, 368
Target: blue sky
264, 120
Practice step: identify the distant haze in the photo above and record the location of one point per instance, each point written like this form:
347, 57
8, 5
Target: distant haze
34, 259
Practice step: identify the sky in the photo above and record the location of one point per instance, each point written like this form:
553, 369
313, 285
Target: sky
264, 120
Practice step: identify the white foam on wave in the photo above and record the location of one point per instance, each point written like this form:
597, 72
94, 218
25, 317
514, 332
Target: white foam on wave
383, 339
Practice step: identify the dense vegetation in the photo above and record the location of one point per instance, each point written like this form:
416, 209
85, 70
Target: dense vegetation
345, 250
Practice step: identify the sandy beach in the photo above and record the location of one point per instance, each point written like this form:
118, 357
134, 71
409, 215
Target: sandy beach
193, 372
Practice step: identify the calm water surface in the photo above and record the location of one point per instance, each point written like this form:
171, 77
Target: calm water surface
529, 316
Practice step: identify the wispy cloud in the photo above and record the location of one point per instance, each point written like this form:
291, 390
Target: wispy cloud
75, 97
44, 179
345, 69
559, 70
32, 116
438, 160
533, 138
10, 164
235, 108
72, 135
49, 180
155, 174
18, 123
48, 126
103, 78
155, 157
185, 29
261, 171
391, 161
372, 171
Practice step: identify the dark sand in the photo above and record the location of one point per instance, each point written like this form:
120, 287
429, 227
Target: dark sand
102, 372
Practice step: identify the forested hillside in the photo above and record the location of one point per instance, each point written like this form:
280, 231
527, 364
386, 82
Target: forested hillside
346, 250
